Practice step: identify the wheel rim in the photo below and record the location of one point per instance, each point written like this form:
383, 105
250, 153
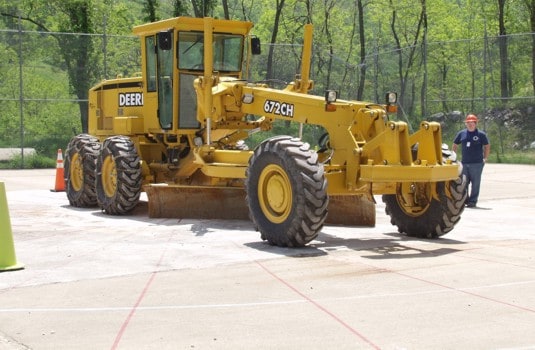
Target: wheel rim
76, 172
275, 193
109, 176
414, 198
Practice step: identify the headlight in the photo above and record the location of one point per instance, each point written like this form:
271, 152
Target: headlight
391, 98
331, 96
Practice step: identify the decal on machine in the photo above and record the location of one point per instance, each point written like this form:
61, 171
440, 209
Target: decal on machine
280, 108
130, 99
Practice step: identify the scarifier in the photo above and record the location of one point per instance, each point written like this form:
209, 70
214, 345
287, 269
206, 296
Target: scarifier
176, 131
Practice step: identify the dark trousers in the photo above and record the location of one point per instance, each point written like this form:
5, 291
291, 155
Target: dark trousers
473, 171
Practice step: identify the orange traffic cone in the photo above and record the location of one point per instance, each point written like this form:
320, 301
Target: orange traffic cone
60, 175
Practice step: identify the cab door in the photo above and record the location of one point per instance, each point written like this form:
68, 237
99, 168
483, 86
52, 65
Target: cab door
164, 64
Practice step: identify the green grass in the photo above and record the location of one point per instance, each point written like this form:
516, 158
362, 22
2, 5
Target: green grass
34, 161
513, 157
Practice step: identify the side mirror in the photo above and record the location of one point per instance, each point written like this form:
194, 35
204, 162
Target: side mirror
255, 46
165, 40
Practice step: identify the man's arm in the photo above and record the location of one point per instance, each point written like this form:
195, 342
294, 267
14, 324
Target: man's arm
486, 152
456, 142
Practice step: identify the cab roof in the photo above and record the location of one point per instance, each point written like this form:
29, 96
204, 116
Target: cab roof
193, 24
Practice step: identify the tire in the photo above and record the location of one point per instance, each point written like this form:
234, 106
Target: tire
80, 170
425, 217
119, 178
286, 192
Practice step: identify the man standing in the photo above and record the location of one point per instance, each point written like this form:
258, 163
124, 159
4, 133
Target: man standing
475, 151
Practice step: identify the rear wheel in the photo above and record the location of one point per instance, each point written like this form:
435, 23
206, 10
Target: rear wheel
119, 176
80, 164
416, 212
286, 192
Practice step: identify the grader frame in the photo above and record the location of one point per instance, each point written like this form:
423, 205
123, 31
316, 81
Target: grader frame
177, 130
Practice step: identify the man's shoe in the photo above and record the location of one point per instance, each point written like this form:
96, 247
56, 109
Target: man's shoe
470, 205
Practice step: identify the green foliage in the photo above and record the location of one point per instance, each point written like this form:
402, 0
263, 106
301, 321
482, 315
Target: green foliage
150, 8
513, 157
460, 60
34, 161
310, 133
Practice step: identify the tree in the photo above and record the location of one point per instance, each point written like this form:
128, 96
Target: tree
530, 5
355, 23
203, 8
278, 12
225, 9
423, 91
150, 7
328, 6
179, 8
76, 50
404, 69
505, 85
362, 38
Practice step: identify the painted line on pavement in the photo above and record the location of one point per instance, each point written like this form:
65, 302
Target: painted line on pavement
140, 298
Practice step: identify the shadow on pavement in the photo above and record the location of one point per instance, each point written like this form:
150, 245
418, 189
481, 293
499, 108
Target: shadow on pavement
396, 247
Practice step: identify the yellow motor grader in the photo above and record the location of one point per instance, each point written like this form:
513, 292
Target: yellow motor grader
176, 132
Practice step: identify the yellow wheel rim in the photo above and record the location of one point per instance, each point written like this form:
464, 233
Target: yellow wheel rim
76, 173
109, 176
275, 193
414, 198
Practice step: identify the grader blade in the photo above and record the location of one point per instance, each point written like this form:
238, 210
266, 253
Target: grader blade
354, 210
195, 202
189, 202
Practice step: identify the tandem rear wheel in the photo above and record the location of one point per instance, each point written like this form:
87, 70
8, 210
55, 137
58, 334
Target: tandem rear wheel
108, 174
119, 177
80, 170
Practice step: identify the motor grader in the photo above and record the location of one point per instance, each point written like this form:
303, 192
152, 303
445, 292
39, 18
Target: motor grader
176, 131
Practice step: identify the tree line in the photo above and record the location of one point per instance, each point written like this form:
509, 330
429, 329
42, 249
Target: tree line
349, 35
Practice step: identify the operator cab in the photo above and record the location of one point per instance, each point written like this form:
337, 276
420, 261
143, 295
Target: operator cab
174, 56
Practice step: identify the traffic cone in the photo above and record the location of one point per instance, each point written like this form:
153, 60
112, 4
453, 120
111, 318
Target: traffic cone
60, 175
8, 260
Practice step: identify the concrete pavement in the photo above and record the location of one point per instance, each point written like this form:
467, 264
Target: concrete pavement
98, 282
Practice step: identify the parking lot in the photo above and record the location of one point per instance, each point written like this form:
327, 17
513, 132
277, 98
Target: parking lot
93, 281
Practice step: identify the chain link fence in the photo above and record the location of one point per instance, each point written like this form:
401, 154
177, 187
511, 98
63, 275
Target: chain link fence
45, 77
439, 81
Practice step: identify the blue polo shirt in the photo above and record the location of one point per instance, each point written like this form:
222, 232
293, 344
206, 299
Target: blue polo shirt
472, 145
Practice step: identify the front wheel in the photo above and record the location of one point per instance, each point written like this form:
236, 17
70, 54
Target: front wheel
119, 176
286, 192
418, 213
